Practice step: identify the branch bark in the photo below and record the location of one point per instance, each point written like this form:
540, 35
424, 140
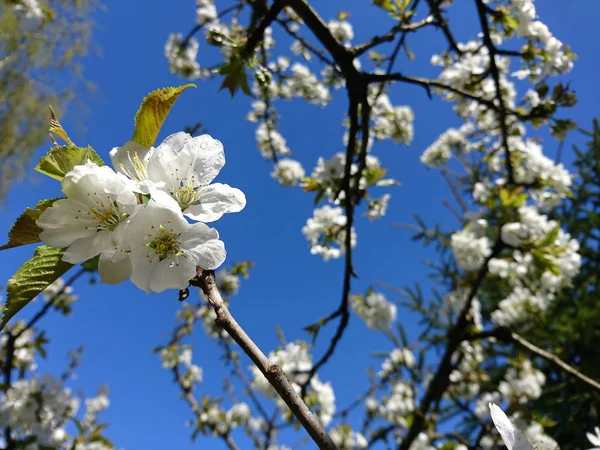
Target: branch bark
205, 280
506, 335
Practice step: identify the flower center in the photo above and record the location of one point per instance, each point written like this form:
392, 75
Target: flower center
165, 243
108, 218
137, 169
186, 195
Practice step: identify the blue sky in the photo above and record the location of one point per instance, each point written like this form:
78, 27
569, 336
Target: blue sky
118, 326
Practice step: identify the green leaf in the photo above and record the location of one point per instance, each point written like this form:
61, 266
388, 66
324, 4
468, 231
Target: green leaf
25, 231
60, 160
386, 5
153, 112
45, 267
235, 77
549, 239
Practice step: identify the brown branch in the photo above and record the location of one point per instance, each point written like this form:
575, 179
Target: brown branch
205, 280
198, 27
442, 24
8, 367
487, 40
258, 34
342, 56
319, 54
390, 35
507, 335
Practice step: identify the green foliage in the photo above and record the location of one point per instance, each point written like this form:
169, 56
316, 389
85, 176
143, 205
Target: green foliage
38, 66
571, 329
45, 267
61, 160
153, 112
235, 77
25, 231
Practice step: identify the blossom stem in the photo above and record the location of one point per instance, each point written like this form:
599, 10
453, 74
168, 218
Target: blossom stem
205, 280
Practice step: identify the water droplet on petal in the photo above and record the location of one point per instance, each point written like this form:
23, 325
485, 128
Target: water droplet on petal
203, 145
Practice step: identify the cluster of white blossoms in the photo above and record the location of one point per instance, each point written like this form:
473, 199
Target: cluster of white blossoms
41, 408
345, 438
396, 406
220, 421
376, 311
146, 220
471, 247
24, 347
534, 276
451, 140
288, 172
295, 361
390, 122
326, 232
398, 358
342, 30
174, 356
468, 375
270, 141
182, 55
31, 9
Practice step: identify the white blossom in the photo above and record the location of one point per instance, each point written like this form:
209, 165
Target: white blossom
326, 232
182, 59
470, 250
93, 217
375, 310
184, 167
166, 249
377, 207
288, 172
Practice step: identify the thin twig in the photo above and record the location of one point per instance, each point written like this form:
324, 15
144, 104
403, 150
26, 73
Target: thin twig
507, 335
390, 35
205, 280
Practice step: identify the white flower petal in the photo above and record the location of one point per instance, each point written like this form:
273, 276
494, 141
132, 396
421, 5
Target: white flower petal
513, 438
130, 159
209, 255
114, 267
60, 228
85, 248
207, 154
216, 200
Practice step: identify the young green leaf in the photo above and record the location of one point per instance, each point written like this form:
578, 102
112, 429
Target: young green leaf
153, 112
25, 231
60, 160
45, 267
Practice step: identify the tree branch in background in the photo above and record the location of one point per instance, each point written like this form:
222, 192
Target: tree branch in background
487, 40
7, 375
506, 335
390, 35
258, 33
205, 280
